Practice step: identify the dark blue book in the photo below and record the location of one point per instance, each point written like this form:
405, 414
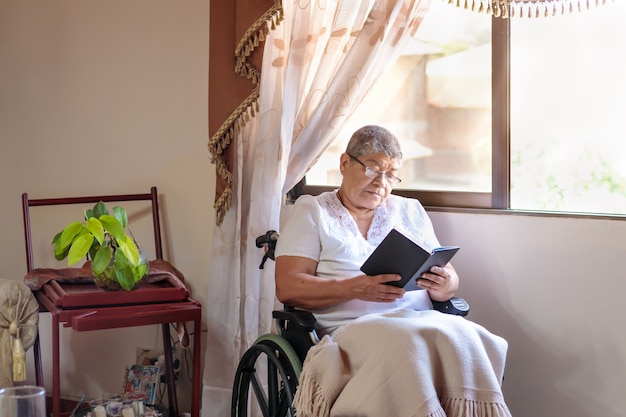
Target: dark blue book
397, 254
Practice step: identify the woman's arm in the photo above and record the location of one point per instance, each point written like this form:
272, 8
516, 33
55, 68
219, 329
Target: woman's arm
297, 285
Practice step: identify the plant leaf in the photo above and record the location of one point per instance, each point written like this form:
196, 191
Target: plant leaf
101, 260
121, 260
79, 248
120, 215
123, 271
113, 226
129, 248
61, 255
67, 236
99, 209
56, 238
125, 278
139, 271
95, 227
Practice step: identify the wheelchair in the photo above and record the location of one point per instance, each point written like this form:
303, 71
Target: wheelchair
269, 370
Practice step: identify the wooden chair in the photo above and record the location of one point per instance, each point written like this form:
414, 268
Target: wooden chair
95, 317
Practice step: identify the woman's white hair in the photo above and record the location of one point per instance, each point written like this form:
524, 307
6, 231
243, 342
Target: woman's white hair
374, 139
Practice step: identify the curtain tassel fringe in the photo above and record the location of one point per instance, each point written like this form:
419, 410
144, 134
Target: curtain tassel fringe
526, 8
219, 142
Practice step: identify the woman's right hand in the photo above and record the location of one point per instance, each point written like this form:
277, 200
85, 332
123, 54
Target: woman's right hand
373, 288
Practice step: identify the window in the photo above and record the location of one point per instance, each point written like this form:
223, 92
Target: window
568, 101
437, 100
448, 98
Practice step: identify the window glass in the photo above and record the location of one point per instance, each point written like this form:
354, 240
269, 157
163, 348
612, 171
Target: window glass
568, 109
559, 112
437, 99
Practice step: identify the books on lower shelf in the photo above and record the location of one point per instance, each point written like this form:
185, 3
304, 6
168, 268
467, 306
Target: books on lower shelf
140, 382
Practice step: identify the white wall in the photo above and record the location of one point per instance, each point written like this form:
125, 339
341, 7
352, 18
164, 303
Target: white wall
127, 80
102, 97
554, 288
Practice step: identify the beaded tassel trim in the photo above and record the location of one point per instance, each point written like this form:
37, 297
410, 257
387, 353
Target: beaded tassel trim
527, 8
231, 127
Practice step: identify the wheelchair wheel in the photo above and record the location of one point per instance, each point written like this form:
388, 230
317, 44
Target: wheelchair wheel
273, 356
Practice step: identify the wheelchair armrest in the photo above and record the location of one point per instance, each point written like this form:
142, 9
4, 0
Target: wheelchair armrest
455, 305
298, 328
302, 318
305, 319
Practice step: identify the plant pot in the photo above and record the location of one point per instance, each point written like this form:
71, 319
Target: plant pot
106, 281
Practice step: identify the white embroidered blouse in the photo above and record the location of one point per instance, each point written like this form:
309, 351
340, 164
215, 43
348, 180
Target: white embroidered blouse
320, 228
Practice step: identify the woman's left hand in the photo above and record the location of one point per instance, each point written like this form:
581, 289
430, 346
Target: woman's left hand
440, 282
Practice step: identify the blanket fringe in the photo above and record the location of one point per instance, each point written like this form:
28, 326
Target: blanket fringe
310, 400
463, 407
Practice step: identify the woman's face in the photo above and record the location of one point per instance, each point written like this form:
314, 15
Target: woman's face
359, 189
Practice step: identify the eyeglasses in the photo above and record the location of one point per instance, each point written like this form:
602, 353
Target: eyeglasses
374, 173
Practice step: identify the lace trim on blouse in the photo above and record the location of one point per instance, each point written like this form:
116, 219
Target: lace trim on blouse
340, 217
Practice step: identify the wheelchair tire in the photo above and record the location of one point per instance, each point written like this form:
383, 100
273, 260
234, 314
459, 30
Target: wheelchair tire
282, 367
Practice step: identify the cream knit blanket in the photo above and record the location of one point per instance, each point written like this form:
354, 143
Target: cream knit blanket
405, 364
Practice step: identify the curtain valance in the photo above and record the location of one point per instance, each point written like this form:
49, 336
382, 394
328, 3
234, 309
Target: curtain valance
237, 29
527, 8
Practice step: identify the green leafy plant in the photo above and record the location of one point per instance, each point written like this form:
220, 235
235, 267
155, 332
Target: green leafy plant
115, 256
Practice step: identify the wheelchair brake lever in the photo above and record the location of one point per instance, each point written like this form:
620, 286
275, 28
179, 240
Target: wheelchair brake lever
269, 239
265, 256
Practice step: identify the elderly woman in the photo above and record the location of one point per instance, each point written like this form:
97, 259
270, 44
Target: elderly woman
385, 351
320, 252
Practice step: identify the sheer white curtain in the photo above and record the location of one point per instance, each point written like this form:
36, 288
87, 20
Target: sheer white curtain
317, 66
